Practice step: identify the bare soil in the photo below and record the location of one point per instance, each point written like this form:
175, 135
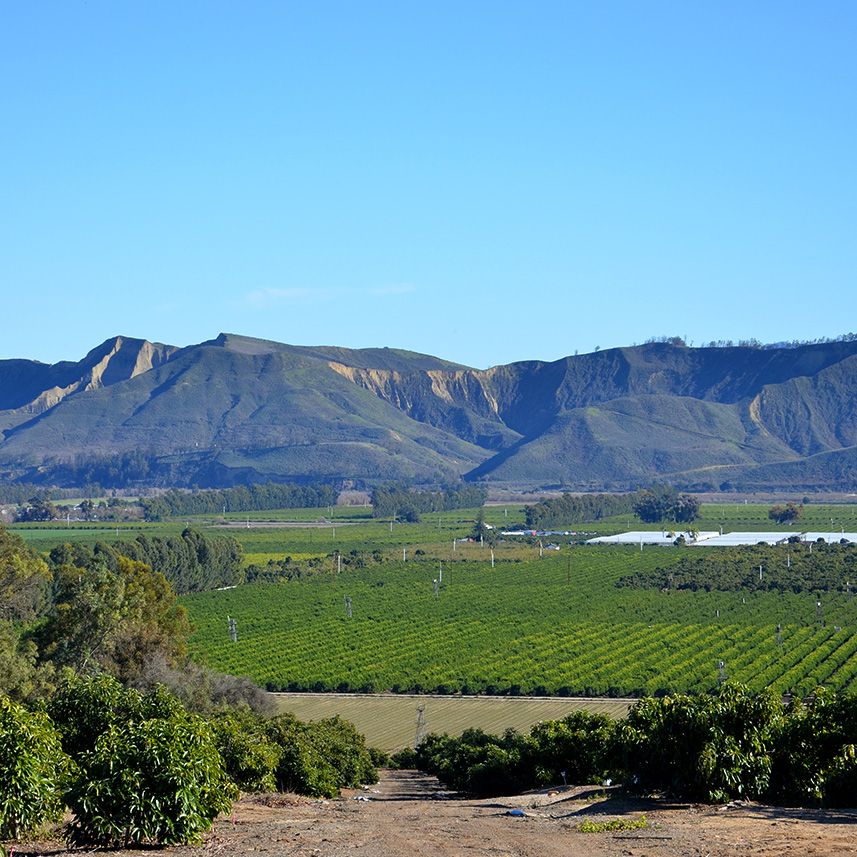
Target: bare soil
409, 813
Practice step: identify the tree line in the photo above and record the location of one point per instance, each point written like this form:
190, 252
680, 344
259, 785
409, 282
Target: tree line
791, 567
103, 712
572, 509
399, 501
653, 505
139, 768
712, 748
241, 498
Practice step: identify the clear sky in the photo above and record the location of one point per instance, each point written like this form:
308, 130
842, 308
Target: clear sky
485, 181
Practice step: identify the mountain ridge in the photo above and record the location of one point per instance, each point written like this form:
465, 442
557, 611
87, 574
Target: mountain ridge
236, 408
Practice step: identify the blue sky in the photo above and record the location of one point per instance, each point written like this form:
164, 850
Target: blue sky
483, 181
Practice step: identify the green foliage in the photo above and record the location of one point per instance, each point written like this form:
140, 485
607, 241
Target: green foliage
242, 498
814, 759
192, 562
37, 509
321, 757
574, 749
32, 767
580, 744
24, 577
249, 757
556, 626
147, 770
710, 748
572, 509
404, 759
159, 780
785, 568
114, 620
787, 514
661, 503
393, 500
615, 824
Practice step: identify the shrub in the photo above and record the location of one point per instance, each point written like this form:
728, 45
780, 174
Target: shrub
709, 748
319, 758
147, 770
579, 745
249, 757
158, 781
814, 760
32, 765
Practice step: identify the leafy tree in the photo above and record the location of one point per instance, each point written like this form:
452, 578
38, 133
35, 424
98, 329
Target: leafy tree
90, 608
159, 780
113, 621
572, 509
319, 758
787, 514
711, 748
148, 771
660, 503
32, 766
686, 509
23, 578
38, 509
579, 744
814, 759
249, 757
656, 504
21, 676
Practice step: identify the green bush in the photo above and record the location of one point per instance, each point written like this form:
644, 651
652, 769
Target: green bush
404, 759
710, 748
579, 745
147, 771
814, 752
301, 767
479, 764
154, 781
32, 766
250, 759
321, 757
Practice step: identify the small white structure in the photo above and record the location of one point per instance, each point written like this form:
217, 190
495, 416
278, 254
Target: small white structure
649, 537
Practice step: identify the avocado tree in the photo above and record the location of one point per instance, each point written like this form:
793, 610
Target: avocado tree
148, 771
31, 768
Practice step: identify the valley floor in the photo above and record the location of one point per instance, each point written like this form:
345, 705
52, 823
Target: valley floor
408, 814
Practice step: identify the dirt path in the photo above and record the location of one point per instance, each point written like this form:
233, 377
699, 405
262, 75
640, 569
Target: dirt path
409, 813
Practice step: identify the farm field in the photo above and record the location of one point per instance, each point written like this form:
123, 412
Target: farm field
389, 721
538, 622
556, 625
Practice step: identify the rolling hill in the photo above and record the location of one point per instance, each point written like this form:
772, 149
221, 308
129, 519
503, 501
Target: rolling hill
236, 409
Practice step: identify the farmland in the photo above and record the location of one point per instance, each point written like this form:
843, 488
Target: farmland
541, 622
554, 623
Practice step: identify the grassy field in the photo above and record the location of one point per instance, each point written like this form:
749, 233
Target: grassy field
389, 722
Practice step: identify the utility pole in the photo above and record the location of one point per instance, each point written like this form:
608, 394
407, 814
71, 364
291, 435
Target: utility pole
422, 730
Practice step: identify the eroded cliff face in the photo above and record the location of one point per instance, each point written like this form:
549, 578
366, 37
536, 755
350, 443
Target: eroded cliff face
115, 360
460, 400
412, 392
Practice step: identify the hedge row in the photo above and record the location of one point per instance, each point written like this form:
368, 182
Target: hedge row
710, 748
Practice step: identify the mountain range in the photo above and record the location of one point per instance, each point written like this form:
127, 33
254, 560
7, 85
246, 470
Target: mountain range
236, 409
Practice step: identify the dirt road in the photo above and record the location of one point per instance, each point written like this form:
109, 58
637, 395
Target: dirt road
408, 814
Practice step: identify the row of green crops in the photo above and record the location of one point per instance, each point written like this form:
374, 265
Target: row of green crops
550, 625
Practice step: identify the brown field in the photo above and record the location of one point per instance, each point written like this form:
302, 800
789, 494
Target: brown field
389, 721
